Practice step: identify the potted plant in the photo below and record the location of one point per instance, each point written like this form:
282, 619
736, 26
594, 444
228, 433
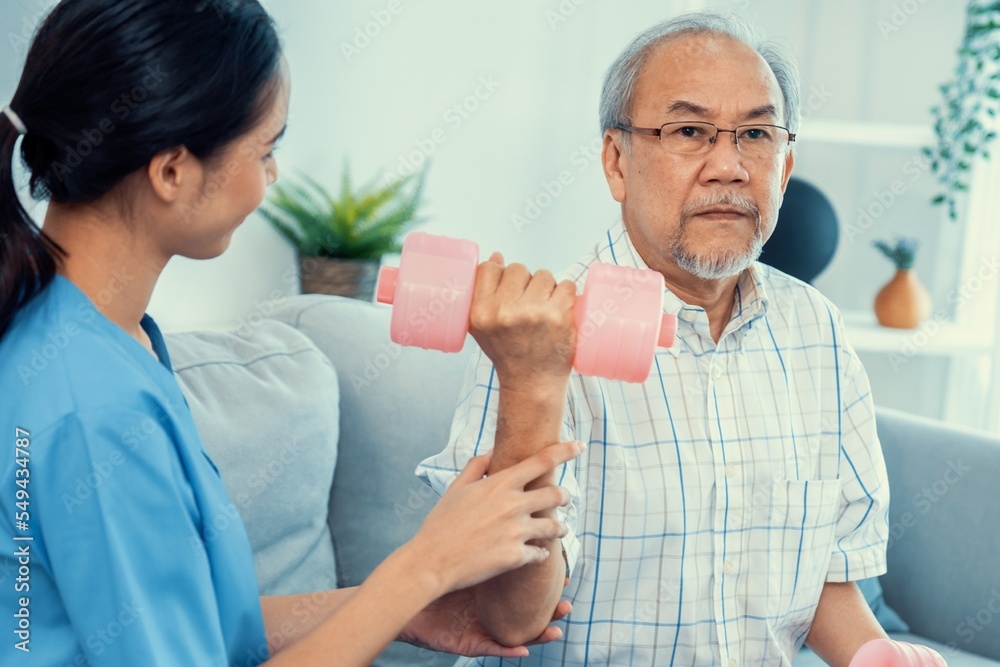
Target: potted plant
904, 302
965, 121
341, 240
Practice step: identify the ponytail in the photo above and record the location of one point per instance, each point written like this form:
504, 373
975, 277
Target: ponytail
106, 86
27, 255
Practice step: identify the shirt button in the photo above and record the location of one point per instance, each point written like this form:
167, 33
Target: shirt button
730, 470
732, 662
728, 567
717, 372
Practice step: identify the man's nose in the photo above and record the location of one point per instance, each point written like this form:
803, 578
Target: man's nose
724, 164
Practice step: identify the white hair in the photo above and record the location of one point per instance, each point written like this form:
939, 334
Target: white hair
619, 83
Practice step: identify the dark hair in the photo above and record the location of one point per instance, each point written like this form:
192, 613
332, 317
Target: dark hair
108, 84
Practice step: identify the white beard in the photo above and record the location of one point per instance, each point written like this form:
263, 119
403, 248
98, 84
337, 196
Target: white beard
729, 263
716, 267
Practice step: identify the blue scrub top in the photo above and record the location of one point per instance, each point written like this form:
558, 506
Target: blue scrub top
132, 552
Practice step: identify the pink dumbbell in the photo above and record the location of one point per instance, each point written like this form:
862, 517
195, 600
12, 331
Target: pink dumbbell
889, 653
619, 317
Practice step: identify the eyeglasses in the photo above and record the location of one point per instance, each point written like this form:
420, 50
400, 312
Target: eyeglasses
693, 137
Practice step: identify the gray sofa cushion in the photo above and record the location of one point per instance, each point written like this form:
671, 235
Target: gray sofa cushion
397, 404
266, 406
943, 524
377, 502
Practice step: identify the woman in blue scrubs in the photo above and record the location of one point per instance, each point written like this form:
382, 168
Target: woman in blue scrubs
149, 126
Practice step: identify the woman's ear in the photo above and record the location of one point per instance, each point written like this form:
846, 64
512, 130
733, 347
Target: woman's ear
172, 171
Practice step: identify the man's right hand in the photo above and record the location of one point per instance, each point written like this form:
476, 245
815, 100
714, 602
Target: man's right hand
523, 323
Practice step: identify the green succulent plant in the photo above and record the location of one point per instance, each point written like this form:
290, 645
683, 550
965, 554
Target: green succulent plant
902, 254
357, 224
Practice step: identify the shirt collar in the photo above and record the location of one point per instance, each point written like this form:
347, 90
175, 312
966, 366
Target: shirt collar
752, 297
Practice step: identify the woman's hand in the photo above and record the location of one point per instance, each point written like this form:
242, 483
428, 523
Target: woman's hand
481, 527
449, 624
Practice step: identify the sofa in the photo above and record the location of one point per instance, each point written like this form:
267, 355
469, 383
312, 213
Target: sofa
317, 420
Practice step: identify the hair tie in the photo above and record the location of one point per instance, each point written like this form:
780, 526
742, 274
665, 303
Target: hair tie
15, 120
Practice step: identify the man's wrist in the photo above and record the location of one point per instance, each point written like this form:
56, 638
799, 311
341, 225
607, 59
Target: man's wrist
529, 418
535, 388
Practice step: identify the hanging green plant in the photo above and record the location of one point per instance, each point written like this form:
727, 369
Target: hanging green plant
964, 120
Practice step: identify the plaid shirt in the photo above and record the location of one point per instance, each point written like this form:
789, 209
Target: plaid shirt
716, 498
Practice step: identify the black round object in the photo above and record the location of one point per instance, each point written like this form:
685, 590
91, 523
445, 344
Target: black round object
806, 234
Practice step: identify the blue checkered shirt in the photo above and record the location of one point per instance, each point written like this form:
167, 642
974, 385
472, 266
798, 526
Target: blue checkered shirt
716, 498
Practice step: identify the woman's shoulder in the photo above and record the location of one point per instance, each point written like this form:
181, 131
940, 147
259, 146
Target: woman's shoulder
79, 385
62, 356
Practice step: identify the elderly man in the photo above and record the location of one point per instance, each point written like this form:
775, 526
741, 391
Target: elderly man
723, 506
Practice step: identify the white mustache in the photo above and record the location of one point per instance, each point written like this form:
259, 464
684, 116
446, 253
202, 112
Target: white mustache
723, 198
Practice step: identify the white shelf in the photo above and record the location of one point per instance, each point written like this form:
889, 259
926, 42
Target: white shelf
858, 133
930, 338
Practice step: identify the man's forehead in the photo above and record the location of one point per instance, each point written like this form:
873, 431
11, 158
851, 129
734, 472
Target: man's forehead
682, 109
710, 72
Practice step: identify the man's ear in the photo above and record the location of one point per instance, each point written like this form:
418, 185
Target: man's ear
172, 171
614, 161
789, 163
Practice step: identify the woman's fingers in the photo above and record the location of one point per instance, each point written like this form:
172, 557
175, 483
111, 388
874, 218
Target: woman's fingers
532, 554
474, 470
546, 498
491, 518
545, 528
562, 610
542, 462
550, 633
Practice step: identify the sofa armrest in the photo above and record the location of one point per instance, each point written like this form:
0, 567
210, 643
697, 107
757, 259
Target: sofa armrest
944, 530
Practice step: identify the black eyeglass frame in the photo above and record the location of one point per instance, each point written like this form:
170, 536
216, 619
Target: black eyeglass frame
658, 131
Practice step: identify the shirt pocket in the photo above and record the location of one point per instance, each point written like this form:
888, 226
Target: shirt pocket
800, 519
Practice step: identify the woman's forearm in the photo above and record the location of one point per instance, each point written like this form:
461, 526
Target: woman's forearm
358, 623
288, 618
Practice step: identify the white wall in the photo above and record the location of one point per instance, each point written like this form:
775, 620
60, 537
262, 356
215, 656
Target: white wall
873, 62
380, 107
878, 62
380, 99
509, 93
379, 102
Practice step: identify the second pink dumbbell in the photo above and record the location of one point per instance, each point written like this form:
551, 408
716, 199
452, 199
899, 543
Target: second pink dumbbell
619, 317
891, 653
